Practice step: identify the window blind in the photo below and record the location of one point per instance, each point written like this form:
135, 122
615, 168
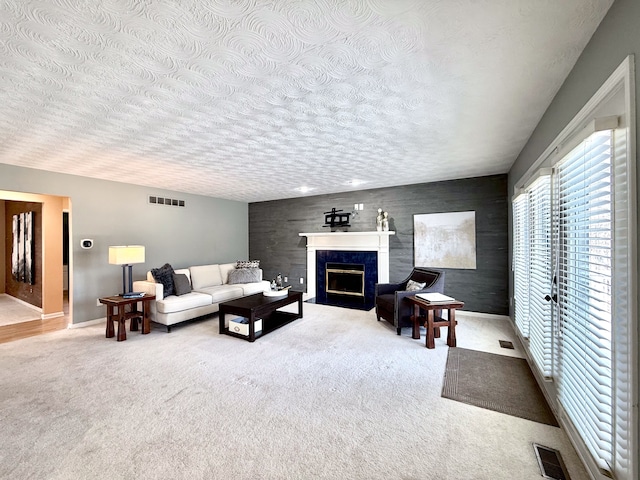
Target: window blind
541, 275
585, 235
521, 262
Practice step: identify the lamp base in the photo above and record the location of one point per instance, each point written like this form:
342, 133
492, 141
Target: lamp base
127, 283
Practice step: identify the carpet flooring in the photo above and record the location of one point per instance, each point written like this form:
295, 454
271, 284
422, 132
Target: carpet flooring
496, 382
334, 395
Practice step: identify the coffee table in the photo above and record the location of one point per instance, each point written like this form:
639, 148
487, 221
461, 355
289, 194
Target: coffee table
260, 306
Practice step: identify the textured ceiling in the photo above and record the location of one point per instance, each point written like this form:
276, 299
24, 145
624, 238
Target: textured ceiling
250, 100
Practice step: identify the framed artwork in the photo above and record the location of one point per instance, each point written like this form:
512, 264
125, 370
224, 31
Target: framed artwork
445, 240
22, 253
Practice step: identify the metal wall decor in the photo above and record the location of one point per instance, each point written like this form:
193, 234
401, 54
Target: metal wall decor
336, 219
23, 251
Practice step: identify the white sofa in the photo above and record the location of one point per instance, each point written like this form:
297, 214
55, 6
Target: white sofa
210, 286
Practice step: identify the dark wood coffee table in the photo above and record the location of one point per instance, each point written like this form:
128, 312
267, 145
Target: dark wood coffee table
261, 306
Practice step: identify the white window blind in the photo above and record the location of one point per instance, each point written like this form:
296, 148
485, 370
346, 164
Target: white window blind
585, 235
540, 275
594, 345
521, 262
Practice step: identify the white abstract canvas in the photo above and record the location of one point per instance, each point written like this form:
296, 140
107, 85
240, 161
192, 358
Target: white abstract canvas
445, 240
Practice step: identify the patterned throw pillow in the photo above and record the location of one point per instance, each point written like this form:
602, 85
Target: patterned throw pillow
181, 284
248, 264
414, 286
164, 275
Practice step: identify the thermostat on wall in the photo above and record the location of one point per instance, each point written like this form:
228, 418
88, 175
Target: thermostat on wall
86, 243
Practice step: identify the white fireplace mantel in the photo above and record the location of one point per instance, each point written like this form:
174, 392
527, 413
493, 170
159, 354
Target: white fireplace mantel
350, 241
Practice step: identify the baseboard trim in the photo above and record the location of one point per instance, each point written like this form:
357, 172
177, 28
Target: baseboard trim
47, 316
487, 316
88, 323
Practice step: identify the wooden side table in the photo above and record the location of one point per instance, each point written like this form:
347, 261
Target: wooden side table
117, 311
432, 320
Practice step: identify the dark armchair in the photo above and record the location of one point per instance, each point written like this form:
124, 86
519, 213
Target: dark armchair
390, 297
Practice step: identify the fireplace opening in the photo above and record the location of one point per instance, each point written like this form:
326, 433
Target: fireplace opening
344, 279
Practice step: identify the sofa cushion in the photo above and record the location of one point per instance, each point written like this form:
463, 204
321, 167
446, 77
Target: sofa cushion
225, 268
183, 302
252, 288
222, 293
181, 284
245, 275
203, 276
164, 275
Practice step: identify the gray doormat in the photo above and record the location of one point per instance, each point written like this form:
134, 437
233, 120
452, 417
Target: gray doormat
495, 382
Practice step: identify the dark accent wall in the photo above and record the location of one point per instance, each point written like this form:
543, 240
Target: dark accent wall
274, 227
26, 292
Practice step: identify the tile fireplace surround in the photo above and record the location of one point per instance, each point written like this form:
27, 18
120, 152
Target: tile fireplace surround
349, 241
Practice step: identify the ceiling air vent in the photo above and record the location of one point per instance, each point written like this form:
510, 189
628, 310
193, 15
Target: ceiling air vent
155, 200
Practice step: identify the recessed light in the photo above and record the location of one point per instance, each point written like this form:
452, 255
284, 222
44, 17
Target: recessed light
304, 189
355, 183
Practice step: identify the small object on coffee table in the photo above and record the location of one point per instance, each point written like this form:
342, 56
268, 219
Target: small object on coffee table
278, 292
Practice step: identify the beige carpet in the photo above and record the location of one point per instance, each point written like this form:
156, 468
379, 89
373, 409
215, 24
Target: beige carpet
335, 395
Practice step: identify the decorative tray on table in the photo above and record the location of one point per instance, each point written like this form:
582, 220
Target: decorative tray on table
280, 292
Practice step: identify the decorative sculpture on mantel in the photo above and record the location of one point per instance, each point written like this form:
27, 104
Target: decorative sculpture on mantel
336, 219
382, 221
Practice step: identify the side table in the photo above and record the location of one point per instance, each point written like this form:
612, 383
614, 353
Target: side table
117, 311
432, 320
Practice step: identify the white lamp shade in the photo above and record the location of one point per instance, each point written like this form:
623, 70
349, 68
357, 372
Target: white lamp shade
126, 254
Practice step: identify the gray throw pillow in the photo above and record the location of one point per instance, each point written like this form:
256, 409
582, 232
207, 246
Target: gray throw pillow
181, 284
245, 275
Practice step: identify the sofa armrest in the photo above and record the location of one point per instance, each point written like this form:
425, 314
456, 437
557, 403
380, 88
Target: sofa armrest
150, 288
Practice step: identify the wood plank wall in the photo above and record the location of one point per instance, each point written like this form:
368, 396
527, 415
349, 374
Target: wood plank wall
274, 228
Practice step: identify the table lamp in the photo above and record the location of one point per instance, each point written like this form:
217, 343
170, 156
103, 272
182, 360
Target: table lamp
126, 255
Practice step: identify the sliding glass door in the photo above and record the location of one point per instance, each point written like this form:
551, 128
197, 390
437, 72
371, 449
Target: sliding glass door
584, 302
566, 224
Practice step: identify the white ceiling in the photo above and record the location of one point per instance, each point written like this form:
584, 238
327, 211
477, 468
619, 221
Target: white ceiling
251, 99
